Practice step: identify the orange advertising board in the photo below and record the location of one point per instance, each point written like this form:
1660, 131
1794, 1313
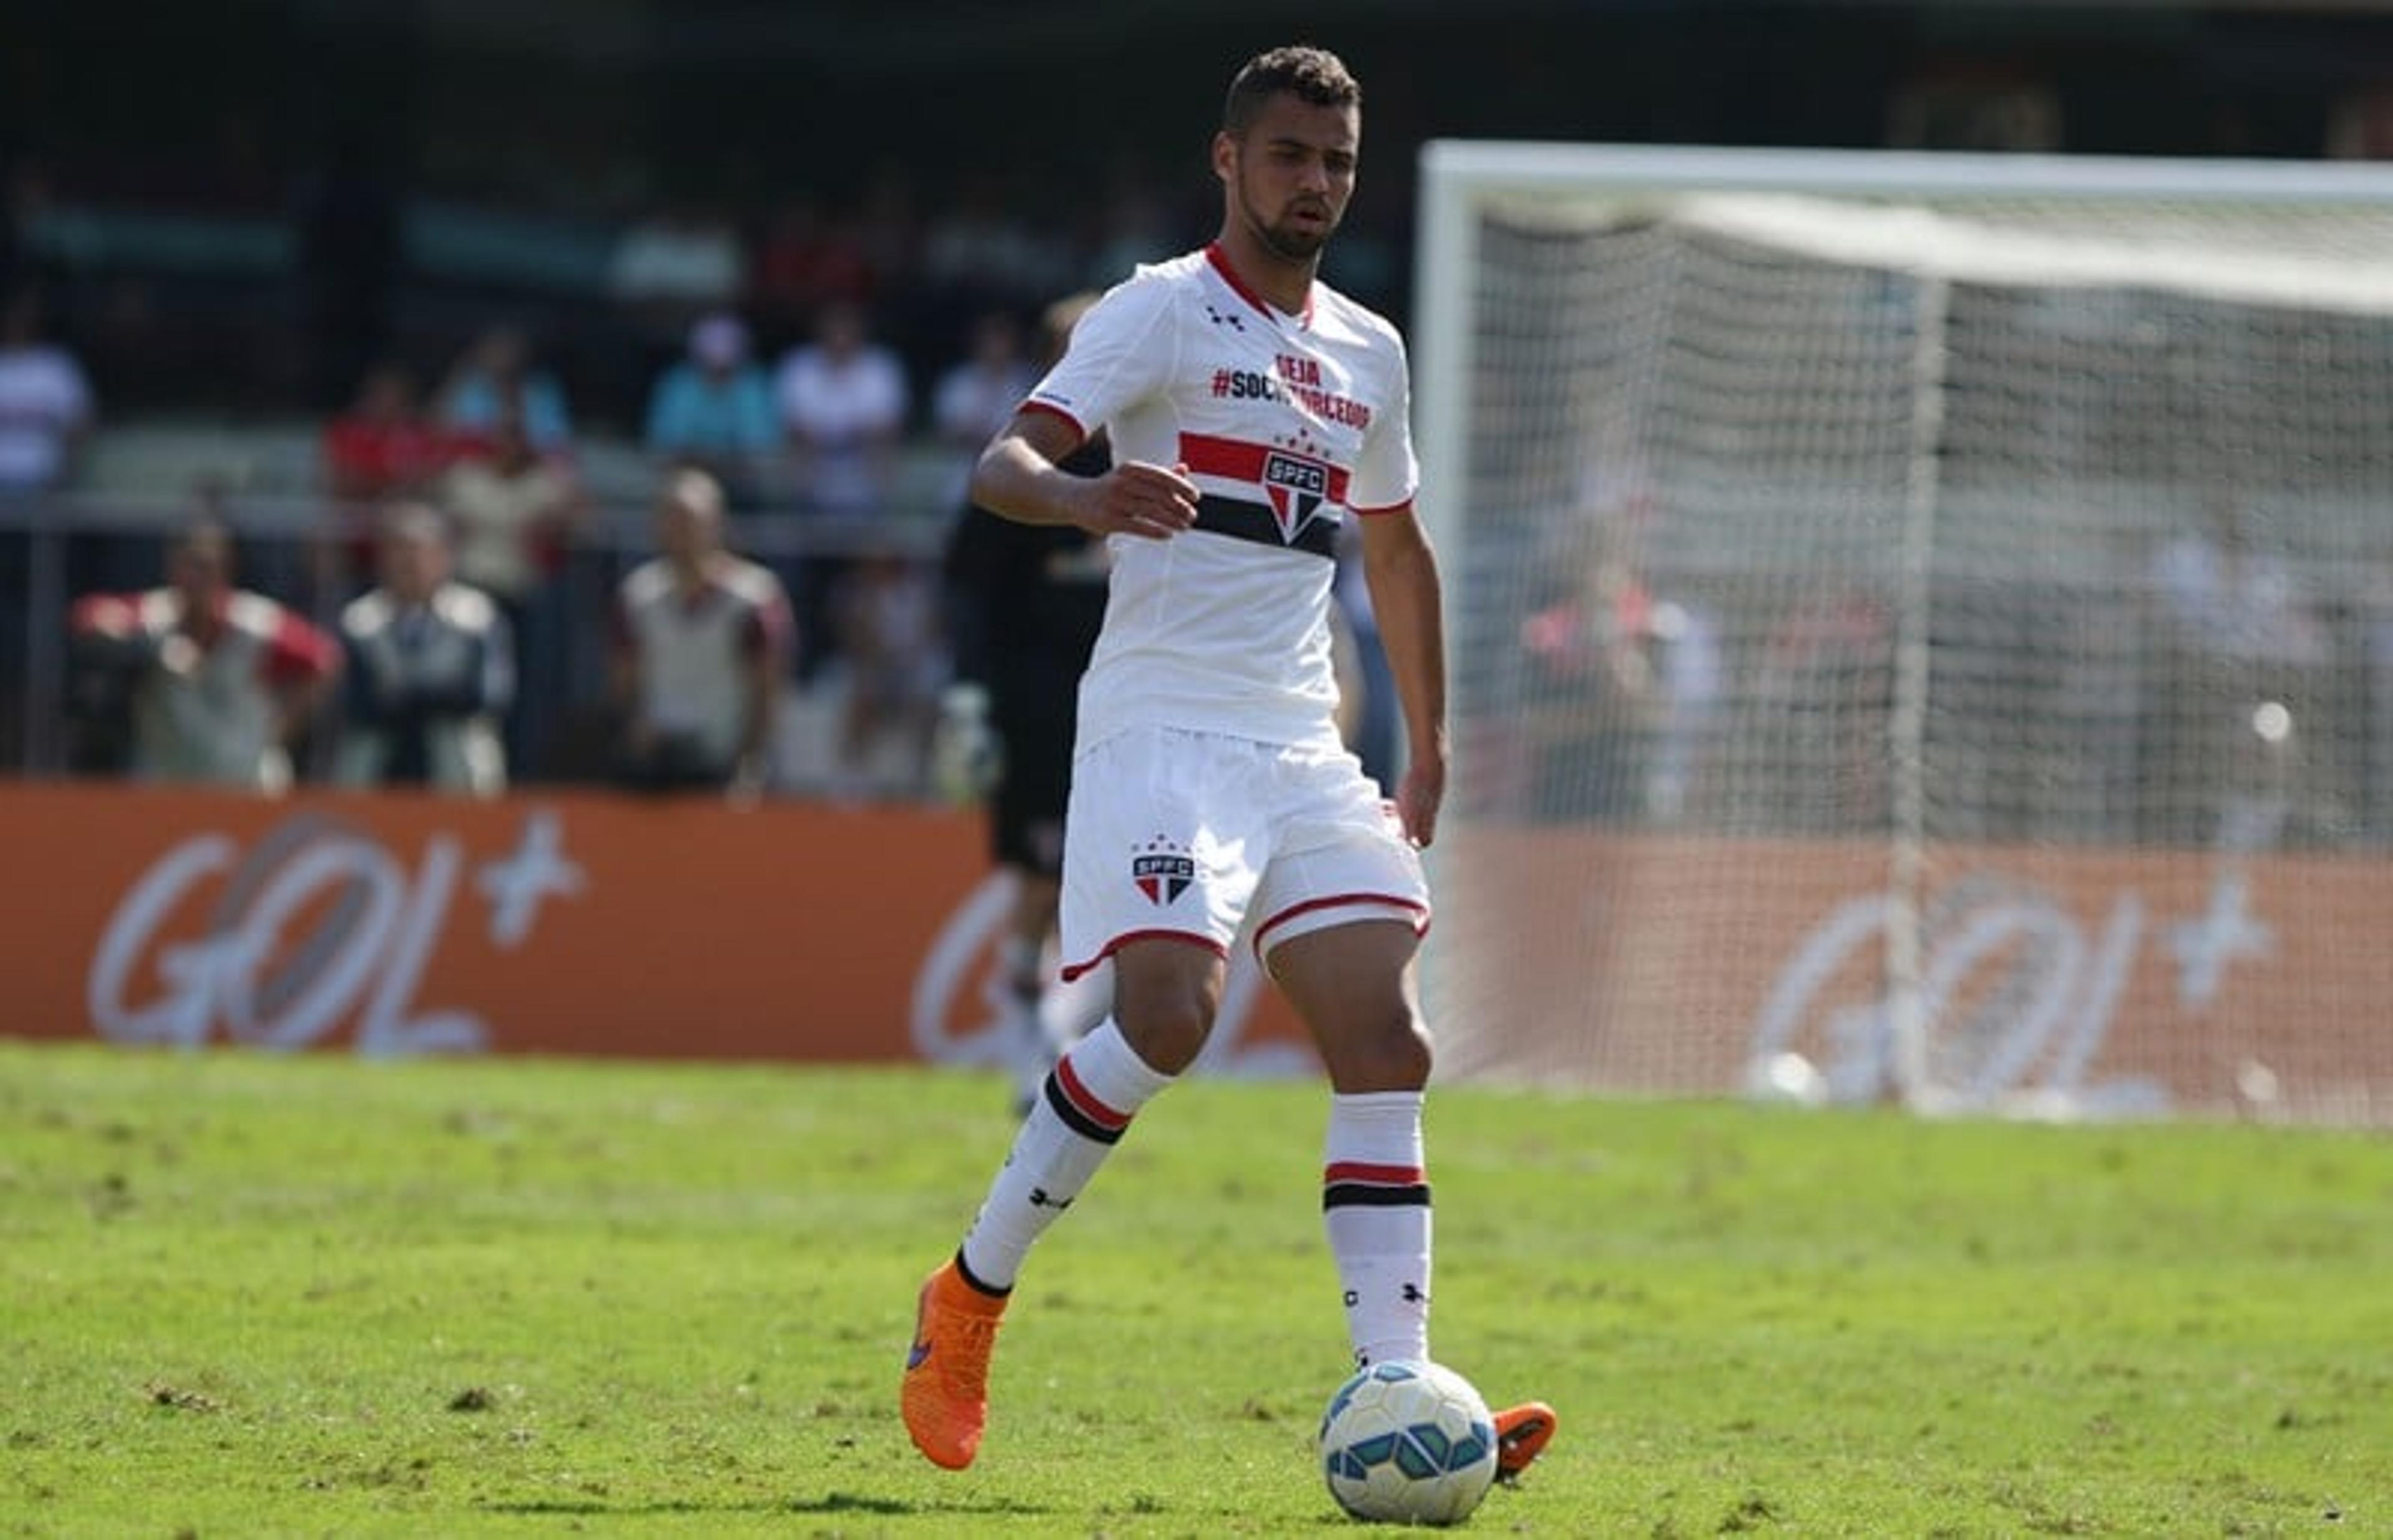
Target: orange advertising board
583, 922
2087, 980
2058, 981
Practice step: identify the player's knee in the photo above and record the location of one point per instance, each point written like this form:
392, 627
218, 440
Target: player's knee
1166, 1038
1165, 1025
1385, 1050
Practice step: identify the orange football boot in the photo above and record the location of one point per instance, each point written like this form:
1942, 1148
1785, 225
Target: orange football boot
946, 1394
1522, 1434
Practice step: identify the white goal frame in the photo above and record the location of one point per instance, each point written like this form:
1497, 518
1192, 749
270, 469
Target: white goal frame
1460, 178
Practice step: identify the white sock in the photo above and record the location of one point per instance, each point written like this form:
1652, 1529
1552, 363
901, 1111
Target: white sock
1375, 1204
1074, 1123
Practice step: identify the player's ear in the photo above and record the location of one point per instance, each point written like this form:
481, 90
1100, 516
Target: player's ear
1225, 155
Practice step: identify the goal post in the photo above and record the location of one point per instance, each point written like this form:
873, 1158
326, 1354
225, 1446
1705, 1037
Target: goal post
1921, 625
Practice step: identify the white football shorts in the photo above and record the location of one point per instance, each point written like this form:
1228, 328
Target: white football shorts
1199, 836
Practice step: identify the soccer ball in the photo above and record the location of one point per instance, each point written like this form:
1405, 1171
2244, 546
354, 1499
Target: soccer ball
1407, 1443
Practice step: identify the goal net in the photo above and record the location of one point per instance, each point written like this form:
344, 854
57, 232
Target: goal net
1921, 627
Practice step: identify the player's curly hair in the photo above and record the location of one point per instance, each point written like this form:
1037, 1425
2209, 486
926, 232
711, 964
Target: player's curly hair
1314, 75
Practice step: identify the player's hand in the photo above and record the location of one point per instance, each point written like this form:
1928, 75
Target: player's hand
1419, 796
1135, 498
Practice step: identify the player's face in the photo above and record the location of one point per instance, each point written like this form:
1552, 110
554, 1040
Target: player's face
1290, 175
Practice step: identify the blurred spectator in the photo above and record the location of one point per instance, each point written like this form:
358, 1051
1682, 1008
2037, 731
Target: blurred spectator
515, 512
2224, 596
496, 377
702, 639
220, 682
381, 445
1024, 605
713, 410
46, 402
893, 662
976, 396
843, 401
2238, 632
1624, 681
430, 670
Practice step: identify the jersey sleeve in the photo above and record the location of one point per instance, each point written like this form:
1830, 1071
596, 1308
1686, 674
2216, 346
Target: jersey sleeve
1122, 351
111, 614
297, 653
1386, 473
768, 631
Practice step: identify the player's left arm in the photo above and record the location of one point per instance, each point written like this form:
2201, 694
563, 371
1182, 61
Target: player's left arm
1408, 598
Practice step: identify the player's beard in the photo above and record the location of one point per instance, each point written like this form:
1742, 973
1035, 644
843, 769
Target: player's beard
1285, 240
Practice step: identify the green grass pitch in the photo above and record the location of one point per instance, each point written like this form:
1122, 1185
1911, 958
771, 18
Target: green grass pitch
249, 1295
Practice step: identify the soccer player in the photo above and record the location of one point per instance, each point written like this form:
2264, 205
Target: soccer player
1024, 603
1251, 410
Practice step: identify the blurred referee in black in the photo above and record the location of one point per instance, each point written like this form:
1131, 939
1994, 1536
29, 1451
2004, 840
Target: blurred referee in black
1024, 604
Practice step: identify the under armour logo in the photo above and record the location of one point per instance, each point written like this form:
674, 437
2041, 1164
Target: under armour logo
1039, 1199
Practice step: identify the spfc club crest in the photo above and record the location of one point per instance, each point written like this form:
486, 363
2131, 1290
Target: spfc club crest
1162, 870
1296, 487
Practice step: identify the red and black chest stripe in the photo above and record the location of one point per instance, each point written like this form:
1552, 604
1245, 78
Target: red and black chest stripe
1284, 495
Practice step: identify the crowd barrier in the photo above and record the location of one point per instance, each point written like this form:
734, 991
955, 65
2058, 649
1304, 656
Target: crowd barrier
584, 923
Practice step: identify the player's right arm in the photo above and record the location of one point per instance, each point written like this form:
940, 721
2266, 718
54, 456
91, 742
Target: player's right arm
1017, 476
1121, 354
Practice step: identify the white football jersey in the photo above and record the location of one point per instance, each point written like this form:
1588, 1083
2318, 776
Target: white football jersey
1288, 425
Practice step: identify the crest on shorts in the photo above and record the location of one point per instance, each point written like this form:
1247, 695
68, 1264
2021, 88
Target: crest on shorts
1296, 486
1162, 869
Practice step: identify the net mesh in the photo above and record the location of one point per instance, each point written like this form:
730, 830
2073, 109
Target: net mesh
1936, 650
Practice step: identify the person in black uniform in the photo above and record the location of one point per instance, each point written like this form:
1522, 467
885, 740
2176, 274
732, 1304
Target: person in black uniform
1023, 605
